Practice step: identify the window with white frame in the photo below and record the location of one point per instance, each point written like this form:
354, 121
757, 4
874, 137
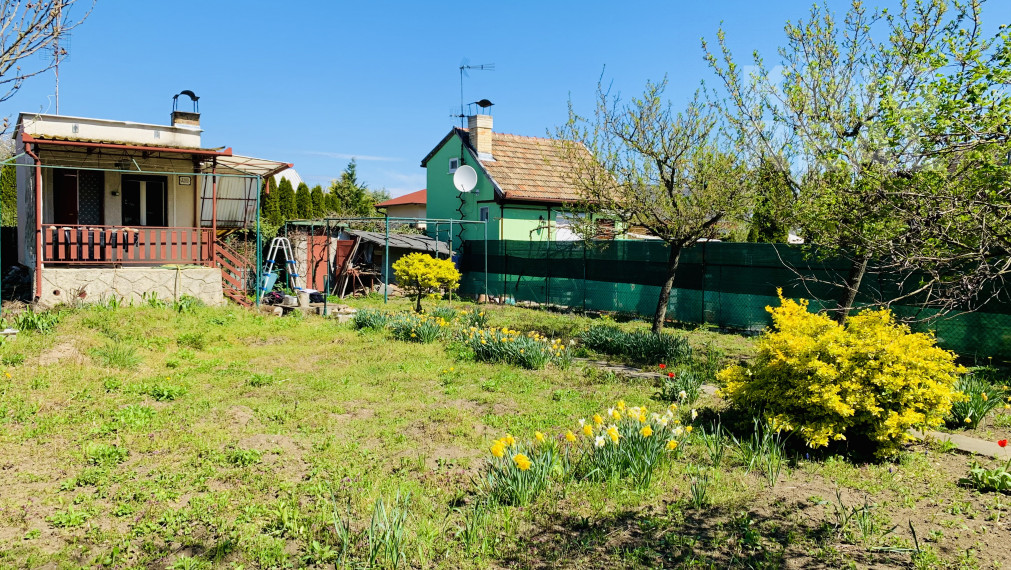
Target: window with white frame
454, 163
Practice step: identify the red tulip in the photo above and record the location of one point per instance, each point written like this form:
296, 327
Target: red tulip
662, 366
670, 374
1002, 443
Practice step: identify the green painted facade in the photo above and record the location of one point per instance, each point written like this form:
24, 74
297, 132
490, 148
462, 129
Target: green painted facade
507, 220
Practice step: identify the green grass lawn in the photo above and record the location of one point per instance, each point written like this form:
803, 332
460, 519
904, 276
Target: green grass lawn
141, 437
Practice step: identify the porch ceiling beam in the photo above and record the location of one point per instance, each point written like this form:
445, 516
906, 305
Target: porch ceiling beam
25, 137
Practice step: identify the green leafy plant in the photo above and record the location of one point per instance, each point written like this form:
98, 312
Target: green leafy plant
699, 480
68, 518
532, 350
637, 347
243, 457
979, 396
386, 533
104, 454
373, 319
870, 380
683, 387
518, 472
260, 380
417, 328
117, 355
30, 321
194, 340
162, 391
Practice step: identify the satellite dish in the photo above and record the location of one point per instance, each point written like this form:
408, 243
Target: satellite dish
465, 178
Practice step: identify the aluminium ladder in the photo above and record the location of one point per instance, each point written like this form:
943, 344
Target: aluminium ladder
278, 245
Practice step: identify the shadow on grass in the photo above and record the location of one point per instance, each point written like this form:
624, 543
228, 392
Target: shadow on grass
762, 537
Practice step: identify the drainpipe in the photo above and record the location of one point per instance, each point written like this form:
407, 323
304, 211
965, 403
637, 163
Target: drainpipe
38, 220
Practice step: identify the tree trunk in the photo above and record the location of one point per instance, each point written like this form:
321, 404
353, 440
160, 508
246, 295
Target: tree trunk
853, 280
661, 304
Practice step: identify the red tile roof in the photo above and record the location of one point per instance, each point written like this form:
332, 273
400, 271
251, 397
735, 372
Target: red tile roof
532, 168
419, 197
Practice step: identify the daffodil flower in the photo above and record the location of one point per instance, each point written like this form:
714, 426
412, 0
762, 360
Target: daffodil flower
599, 441
646, 431
569, 436
539, 437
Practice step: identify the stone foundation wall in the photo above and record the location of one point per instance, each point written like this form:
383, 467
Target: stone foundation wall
129, 284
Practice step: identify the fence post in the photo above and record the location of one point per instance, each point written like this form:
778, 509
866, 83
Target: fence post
583, 245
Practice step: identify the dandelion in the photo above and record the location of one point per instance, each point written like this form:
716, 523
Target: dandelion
451, 368
569, 436
672, 445
498, 450
539, 437
646, 431
599, 442
597, 419
588, 430
522, 461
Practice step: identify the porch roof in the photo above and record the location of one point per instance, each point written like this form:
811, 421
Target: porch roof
248, 165
110, 144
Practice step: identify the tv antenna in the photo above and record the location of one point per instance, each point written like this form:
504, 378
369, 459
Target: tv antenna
464, 68
59, 52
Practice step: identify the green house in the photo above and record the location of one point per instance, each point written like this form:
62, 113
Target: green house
523, 188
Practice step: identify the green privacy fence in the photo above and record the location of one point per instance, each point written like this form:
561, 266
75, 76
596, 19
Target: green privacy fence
728, 285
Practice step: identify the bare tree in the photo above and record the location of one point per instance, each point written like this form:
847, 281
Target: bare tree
863, 114
32, 28
650, 166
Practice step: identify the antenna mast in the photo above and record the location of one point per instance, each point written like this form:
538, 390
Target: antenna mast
463, 72
57, 31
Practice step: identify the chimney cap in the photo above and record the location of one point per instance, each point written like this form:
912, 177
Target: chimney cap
193, 97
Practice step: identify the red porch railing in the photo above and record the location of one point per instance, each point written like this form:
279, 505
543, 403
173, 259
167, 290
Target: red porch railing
96, 245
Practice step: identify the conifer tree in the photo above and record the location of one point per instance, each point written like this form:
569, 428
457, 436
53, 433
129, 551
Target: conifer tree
303, 201
269, 206
286, 200
318, 205
8, 196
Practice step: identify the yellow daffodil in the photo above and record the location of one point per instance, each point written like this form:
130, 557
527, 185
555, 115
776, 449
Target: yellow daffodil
612, 432
620, 405
646, 431
672, 445
642, 418
616, 415
569, 436
509, 440
597, 419
587, 430
968, 419
539, 437
522, 461
688, 429
498, 450
672, 408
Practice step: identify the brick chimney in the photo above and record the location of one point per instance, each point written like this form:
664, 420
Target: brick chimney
186, 119
479, 127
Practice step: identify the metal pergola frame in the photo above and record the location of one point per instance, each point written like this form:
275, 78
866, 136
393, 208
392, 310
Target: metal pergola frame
342, 222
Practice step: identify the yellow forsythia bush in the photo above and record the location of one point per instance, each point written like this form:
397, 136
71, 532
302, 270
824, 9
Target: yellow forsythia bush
870, 380
422, 275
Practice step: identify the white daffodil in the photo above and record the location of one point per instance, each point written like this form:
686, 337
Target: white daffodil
600, 441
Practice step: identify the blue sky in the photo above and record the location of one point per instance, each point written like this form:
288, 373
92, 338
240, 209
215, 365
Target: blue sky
316, 83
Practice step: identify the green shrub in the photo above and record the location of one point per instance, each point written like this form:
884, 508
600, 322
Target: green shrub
243, 457
997, 480
422, 275
637, 347
532, 351
980, 395
371, 319
868, 382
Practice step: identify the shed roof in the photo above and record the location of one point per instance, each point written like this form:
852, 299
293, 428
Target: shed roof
413, 242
